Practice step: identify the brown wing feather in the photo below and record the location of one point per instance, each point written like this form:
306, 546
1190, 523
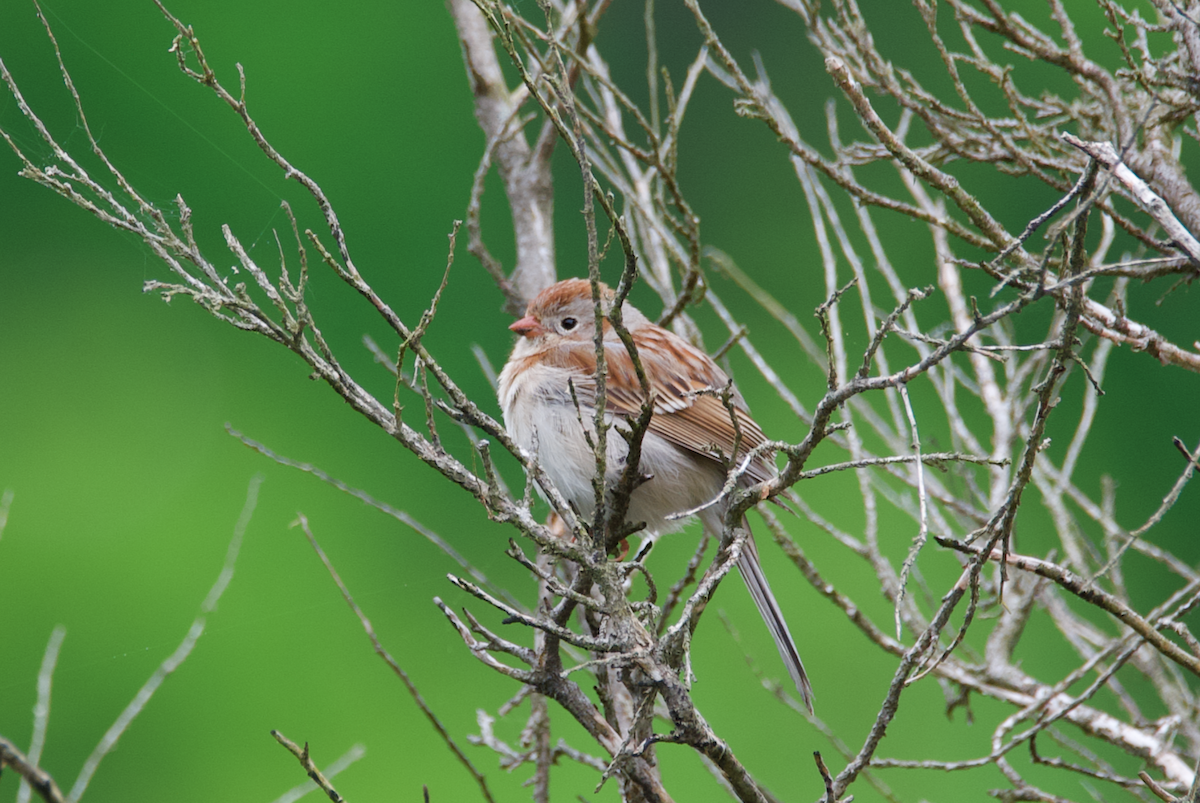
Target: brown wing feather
686, 412
705, 428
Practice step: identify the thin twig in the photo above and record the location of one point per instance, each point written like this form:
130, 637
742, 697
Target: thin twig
41, 709
418, 698
176, 658
352, 755
306, 762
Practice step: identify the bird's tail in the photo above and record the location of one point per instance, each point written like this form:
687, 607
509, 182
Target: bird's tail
768, 608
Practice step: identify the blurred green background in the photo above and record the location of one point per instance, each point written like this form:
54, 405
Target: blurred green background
126, 486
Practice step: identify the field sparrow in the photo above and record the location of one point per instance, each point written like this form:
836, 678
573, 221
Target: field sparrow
681, 451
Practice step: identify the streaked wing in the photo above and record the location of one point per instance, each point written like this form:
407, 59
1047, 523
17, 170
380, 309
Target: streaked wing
688, 410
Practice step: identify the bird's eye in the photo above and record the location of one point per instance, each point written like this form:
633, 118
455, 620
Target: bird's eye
569, 323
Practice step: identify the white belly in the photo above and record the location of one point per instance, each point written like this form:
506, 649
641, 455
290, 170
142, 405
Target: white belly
679, 480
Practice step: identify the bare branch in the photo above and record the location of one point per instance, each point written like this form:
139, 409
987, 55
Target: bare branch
309, 767
30, 773
175, 659
411, 687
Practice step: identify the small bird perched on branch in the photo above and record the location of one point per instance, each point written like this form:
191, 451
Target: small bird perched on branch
548, 395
